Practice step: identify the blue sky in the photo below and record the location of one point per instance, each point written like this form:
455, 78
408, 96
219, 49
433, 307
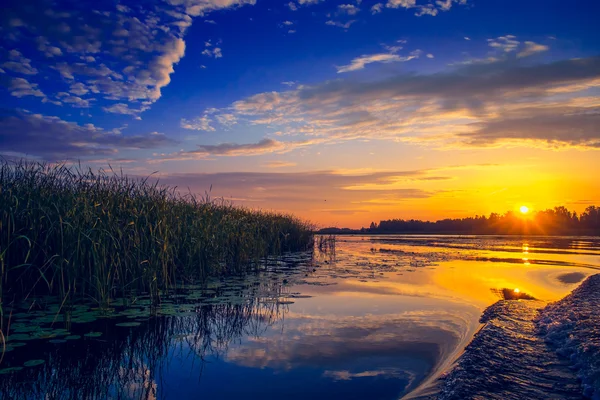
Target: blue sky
287, 90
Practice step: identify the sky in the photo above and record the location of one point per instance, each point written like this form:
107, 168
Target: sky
341, 112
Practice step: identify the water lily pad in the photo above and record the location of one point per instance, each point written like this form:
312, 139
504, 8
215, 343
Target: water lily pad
128, 324
17, 344
72, 337
93, 334
84, 319
20, 336
33, 363
285, 302
10, 370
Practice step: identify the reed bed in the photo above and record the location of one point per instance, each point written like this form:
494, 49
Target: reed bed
75, 233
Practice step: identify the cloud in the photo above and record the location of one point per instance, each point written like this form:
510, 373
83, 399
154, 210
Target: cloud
226, 119
377, 8
19, 64
114, 53
340, 24
401, 3
122, 108
439, 109
52, 138
360, 62
349, 9
309, 188
198, 124
210, 51
532, 48
506, 43
552, 126
74, 101
279, 164
264, 146
427, 9
202, 7
20, 87
234, 149
47, 49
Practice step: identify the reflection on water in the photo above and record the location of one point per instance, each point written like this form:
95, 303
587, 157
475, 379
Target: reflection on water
379, 320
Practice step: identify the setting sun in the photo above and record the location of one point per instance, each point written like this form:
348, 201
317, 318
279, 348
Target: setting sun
524, 209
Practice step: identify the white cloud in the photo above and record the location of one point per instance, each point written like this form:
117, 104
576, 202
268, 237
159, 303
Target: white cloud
19, 64
340, 24
377, 8
202, 7
20, 87
122, 108
506, 43
226, 119
401, 3
429, 55
198, 124
214, 52
360, 62
74, 101
427, 9
532, 48
349, 9
127, 54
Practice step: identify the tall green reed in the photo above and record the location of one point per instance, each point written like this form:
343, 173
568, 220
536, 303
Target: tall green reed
77, 233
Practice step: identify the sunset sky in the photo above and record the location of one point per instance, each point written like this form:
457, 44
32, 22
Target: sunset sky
341, 112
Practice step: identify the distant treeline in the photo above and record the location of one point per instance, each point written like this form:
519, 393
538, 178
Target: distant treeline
556, 221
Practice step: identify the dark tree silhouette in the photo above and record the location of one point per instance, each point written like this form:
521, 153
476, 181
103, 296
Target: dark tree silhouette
555, 221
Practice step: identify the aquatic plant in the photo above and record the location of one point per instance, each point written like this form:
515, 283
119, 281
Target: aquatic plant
71, 233
121, 362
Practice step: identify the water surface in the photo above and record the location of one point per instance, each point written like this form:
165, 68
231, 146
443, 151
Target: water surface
379, 318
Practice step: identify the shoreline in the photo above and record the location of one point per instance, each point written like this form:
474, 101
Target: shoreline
529, 349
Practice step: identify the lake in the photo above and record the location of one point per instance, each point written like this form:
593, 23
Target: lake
378, 317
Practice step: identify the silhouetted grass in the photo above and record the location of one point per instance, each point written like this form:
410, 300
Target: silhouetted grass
71, 232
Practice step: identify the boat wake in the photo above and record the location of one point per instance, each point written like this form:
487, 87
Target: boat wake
527, 349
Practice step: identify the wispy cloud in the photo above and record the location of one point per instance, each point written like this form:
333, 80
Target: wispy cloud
384, 58
532, 48
279, 164
343, 25
465, 106
198, 124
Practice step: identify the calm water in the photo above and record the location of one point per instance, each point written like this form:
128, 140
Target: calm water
380, 318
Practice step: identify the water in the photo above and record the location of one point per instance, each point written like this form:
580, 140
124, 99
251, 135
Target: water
381, 318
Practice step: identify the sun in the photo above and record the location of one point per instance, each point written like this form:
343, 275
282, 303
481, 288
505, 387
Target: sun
524, 209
